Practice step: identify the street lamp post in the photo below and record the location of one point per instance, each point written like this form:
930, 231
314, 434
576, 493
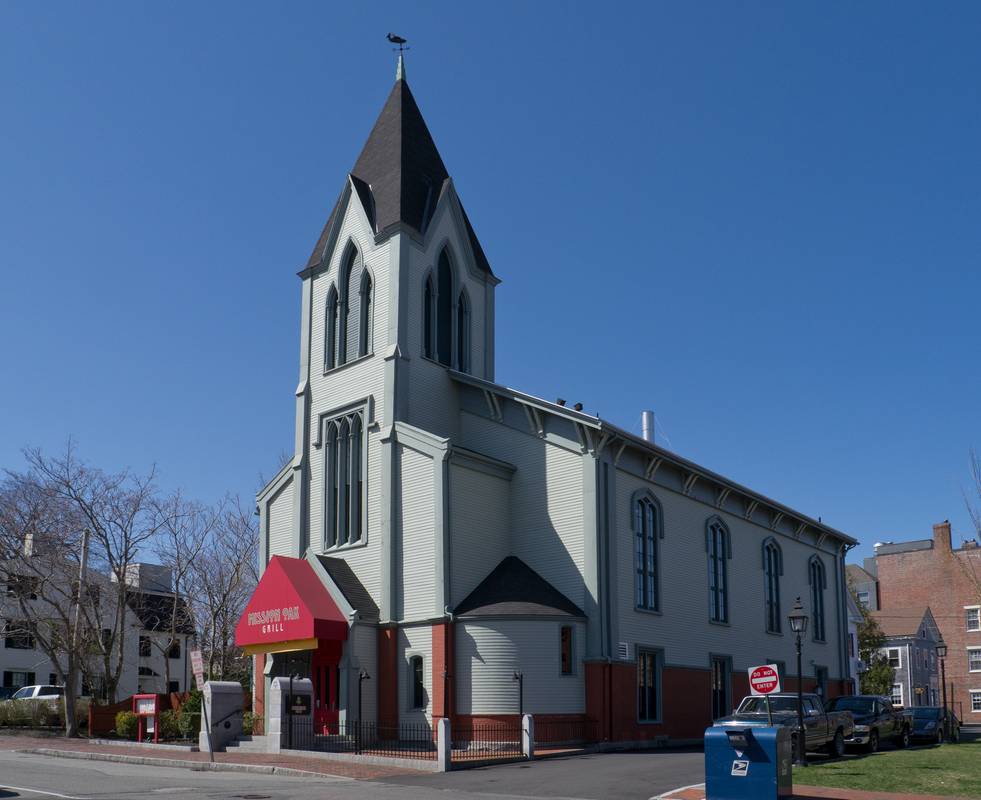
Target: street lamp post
520, 678
798, 624
942, 654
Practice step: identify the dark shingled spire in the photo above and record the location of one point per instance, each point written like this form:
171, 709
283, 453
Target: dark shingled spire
399, 174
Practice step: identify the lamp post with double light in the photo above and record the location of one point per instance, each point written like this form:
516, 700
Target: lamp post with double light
798, 624
942, 654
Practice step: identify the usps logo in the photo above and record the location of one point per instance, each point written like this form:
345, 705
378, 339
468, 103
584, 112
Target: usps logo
740, 769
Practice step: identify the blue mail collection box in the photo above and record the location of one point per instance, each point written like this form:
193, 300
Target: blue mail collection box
747, 763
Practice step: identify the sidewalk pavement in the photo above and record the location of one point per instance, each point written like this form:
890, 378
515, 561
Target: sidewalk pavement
815, 793
283, 765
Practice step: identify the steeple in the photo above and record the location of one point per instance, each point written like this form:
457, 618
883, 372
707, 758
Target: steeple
399, 175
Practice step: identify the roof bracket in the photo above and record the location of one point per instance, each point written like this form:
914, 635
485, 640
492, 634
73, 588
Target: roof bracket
690, 480
751, 508
652, 467
493, 406
776, 519
723, 495
535, 421
603, 443
616, 458
821, 538
799, 530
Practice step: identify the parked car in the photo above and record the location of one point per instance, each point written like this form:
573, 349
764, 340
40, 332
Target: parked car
825, 731
876, 719
927, 724
39, 692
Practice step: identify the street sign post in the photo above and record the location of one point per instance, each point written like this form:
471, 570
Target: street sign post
765, 680
197, 667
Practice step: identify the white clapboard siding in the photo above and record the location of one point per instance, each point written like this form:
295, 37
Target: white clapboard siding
683, 628
415, 641
479, 520
418, 523
546, 506
280, 521
488, 653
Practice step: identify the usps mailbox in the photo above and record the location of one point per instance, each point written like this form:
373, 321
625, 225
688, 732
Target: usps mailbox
747, 763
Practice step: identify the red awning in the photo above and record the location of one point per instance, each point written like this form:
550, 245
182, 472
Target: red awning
289, 606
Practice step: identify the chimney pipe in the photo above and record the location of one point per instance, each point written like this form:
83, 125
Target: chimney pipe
647, 426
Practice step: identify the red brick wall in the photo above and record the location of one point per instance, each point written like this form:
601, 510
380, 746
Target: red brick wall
388, 677
259, 685
939, 578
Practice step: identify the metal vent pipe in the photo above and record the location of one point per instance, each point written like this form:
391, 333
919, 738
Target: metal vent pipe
647, 425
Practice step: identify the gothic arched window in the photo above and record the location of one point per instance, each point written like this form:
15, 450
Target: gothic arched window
463, 333
429, 319
772, 570
344, 498
719, 550
330, 332
350, 317
816, 577
444, 310
365, 306
646, 530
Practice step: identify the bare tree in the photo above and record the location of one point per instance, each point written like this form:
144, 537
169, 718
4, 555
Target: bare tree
118, 510
969, 560
224, 576
46, 606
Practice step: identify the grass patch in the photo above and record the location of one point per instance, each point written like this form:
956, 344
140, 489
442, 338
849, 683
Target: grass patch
950, 769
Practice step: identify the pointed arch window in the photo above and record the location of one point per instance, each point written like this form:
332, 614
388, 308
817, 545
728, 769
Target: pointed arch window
330, 337
463, 333
719, 549
772, 570
348, 340
365, 313
429, 319
817, 578
344, 496
647, 530
444, 310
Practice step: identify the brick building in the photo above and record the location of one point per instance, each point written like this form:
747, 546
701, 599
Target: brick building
931, 572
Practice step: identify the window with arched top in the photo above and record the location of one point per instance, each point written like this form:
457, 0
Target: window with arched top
417, 683
719, 550
344, 469
365, 314
444, 309
817, 578
647, 530
330, 330
429, 319
349, 339
463, 333
772, 570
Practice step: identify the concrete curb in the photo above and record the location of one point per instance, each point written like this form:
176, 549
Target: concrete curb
181, 748
200, 766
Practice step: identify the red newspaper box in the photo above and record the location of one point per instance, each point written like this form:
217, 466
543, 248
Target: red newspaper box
147, 710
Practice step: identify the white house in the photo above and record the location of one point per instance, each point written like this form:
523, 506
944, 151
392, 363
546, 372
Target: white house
439, 532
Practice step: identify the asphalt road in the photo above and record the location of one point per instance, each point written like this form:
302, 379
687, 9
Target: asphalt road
612, 776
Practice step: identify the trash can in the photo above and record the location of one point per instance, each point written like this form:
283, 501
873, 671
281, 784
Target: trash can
747, 763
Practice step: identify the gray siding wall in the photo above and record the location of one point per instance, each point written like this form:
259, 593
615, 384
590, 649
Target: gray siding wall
682, 628
415, 641
488, 653
279, 520
417, 600
479, 528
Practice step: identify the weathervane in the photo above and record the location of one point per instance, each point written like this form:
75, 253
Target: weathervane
399, 41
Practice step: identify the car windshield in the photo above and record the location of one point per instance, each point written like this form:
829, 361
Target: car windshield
860, 705
926, 713
27, 691
757, 705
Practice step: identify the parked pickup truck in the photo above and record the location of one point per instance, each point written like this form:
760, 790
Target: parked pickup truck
876, 718
826, 731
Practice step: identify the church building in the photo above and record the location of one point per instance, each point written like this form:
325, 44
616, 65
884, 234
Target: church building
437, 535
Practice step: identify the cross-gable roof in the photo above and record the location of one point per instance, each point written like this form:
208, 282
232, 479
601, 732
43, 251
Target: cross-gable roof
515, 589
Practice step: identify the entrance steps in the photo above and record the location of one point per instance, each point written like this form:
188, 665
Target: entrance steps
248, 744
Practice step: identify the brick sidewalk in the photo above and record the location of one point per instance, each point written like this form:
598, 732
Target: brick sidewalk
818, 793
319, 766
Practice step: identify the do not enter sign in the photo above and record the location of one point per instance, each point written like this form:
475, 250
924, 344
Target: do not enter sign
764, 679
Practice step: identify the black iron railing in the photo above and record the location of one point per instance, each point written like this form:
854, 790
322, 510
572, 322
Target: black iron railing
362, 738
551, 733
480, 740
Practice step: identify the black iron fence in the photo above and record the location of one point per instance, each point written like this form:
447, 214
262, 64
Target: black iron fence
479, 740
551, 733
362, 738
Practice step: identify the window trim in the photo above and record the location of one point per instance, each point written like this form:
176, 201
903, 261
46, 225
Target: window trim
973, 649
411, 656
769, 545
819, 621
974, 693
645, 496
902, 696
358, 411
899, 656
658, 654
966, 626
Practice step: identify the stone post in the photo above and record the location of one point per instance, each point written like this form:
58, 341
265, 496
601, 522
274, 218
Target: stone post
528, 736
278, 731
444, 744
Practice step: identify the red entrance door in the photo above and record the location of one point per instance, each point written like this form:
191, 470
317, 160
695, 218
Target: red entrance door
326, 687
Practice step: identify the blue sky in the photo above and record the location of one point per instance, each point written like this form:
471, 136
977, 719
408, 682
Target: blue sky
758, 219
